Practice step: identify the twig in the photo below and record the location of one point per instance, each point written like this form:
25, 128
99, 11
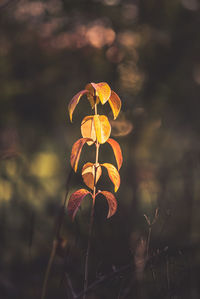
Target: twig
101, 280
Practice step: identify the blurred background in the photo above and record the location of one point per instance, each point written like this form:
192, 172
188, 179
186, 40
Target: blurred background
149, 54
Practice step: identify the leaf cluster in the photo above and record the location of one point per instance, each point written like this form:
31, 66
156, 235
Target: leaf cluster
95, 130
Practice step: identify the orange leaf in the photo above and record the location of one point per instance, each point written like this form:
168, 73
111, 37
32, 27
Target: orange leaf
88, 174
112, 202
102, 128
74, 101
113, 175
87, 129
103, 91
115, 104
75, 201
117, 151
76, 151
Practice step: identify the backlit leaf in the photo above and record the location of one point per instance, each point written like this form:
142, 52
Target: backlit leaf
74, 101
103, 91
117, 152
112, 202
115, 104
76, 151
102, 128
87, 129
88, 174
75, 201
113, 175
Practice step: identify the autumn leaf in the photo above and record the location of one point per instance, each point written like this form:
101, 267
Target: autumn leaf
76, 152
88, 174
87, 129
91, 94
112, 202
101, 90
113, 175
75, 201
102, 128
115, 104
117, 152
74, 101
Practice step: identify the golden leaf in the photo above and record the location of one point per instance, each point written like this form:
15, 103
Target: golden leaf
102, 128
115, 104
88, 174
75, 201
74, 101
103, 91
117, 152
88, 129
113, 175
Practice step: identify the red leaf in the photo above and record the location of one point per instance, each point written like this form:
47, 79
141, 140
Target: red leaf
74, 101
112, 202
76, 152
75, 201
117, 152
113, 174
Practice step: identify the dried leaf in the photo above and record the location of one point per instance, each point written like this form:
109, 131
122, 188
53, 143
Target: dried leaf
112, 202
117, 152
76, 151
87, 129
102, 128
75, 201
113, 175
88, 174
115, 104
91, 94
74, 101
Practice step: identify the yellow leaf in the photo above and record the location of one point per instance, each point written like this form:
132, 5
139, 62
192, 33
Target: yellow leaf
76, 152
75, 201
115, 104
112, 202
103, 91
74, 101
117, 152
102, 128
88, 174
87, 129
113, 175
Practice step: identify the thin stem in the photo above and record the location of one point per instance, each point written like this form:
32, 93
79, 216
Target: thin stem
91, 216
48, 269
59, 223
148, 241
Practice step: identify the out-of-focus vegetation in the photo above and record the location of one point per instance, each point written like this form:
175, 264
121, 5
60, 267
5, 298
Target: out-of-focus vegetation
149, 53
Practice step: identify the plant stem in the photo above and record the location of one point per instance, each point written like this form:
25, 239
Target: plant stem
91, 215
59, 223
148, 241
